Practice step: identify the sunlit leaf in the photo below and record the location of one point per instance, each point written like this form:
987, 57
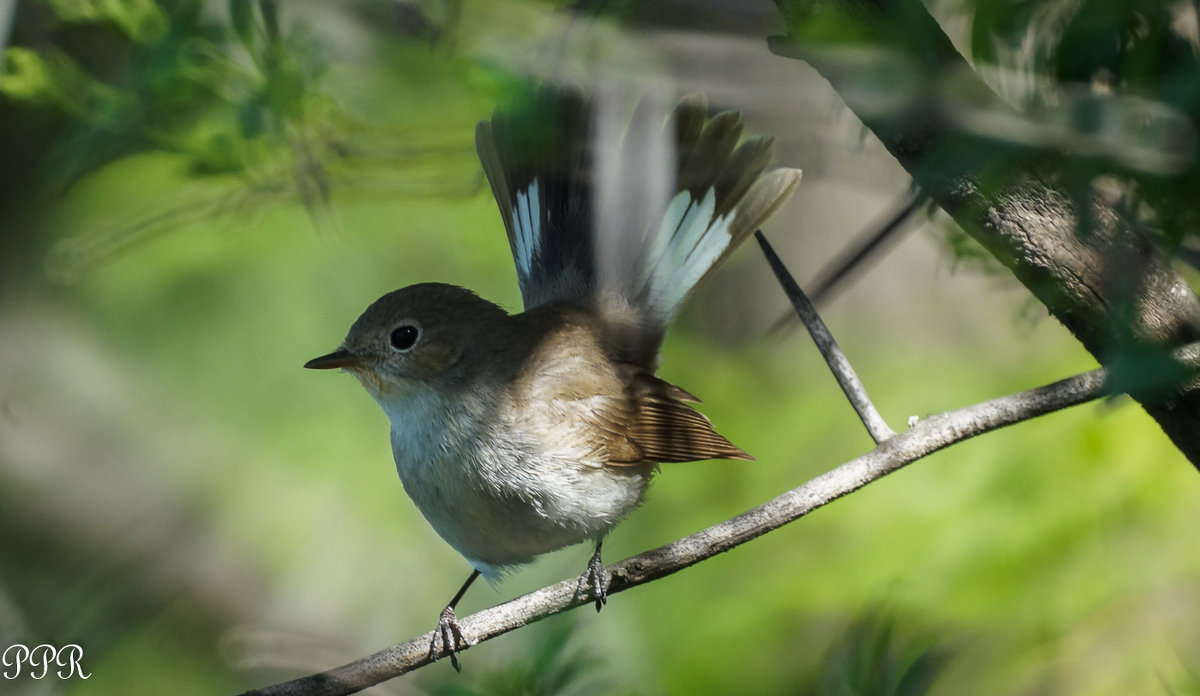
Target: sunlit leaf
141, 20
49, 78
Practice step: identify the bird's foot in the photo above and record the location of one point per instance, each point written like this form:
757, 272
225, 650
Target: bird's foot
595, 578
448, 638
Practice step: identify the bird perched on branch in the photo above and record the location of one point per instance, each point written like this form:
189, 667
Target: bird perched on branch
519, 434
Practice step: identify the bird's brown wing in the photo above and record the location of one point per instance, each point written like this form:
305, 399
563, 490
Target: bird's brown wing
662, 427
581, 406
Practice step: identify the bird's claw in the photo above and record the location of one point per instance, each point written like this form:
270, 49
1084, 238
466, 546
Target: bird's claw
595, 578
448, 639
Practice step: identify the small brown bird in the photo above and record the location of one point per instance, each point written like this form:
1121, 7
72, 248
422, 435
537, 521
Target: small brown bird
519, 434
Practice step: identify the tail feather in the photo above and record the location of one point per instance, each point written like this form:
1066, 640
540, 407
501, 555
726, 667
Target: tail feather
710, 154
551, 167
538, 164
697, 241
748, 163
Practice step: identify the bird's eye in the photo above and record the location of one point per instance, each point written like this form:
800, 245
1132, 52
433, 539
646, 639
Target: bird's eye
404, 337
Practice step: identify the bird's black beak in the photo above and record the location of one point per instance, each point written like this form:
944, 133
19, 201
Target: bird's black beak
338, 358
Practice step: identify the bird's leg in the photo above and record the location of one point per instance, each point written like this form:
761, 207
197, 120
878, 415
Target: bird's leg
448, 636
596, 578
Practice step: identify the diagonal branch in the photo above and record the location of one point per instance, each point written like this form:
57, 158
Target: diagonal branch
925, 437
870, 244
843, 372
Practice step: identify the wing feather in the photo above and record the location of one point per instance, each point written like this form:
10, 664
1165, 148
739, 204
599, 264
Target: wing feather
578, 405
666, 429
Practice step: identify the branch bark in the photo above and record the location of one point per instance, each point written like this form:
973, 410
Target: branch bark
842, 370
1099, 277
925, 437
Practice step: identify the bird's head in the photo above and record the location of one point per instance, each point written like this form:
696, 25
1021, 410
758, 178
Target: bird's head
425, 336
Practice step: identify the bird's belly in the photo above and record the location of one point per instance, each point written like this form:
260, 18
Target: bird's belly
499, 508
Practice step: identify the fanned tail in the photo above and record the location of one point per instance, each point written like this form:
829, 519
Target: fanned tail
626, 219
537, 157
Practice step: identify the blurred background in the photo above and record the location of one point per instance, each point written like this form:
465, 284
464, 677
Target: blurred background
198, 197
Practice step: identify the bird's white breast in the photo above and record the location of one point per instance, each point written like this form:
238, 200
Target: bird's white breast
493, 492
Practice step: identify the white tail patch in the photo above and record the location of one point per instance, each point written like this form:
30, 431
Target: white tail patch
689, 241
527, 214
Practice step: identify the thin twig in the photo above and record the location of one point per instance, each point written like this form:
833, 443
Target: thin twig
865, 245
926, 436
842, 370
862, 249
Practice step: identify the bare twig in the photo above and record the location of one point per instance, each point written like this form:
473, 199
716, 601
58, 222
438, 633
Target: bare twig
926, 436
842, 371
862, 249
867, 244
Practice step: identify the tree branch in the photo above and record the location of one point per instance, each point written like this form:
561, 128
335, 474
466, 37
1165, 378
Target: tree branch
843, 372
900, 74
925, 437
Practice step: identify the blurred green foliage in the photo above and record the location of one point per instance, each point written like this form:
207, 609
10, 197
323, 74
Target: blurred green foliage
238, 99
1121, 80
876, 655
226, 185
181, 81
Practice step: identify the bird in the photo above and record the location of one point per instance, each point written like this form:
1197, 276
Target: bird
518, 434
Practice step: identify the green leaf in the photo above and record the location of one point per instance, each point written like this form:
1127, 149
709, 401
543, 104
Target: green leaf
52, 79
141, 20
